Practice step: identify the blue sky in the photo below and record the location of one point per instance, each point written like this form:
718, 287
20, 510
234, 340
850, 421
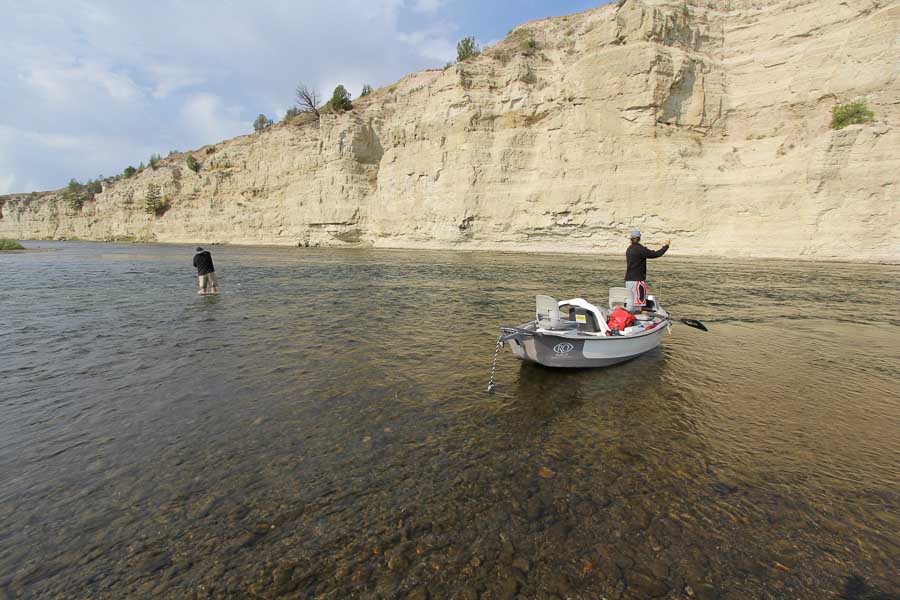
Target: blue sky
88, 87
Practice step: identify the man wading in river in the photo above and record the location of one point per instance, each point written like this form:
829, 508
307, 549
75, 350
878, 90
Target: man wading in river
206, 272
636, 271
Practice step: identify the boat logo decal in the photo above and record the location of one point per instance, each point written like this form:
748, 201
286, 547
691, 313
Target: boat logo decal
564, 348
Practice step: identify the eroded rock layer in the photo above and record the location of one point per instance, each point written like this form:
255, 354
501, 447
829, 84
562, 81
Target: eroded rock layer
703, 121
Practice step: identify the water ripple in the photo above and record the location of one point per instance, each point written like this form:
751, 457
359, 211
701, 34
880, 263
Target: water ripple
321, 429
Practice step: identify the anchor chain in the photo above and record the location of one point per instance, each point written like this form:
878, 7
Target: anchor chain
491, 384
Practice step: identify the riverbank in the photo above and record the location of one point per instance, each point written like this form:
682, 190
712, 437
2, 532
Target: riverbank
502, 248
9, 245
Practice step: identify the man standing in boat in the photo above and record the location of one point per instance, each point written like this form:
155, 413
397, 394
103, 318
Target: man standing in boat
206, 272
636, 272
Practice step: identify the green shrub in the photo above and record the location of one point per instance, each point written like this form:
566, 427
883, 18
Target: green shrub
366, 90
192, 163
154, 203
528, 43
10, 245
93, 187
850, 114
211, 150
291, 113
466, 49
340, 100
129, 172
154, 161
262, 122
74, 195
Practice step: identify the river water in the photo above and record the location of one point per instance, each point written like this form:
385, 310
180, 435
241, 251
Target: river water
321, 430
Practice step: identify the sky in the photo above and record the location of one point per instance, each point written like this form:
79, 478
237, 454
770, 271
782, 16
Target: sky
88, 87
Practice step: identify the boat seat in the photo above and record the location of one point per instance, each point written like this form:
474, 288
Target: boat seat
547, 313
620, 296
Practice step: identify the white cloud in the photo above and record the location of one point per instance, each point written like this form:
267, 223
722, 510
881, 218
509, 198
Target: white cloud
7, 172
32, 160
433, 45
137, 79
59, 83
428, 6
6, 183
171, 78
210, 119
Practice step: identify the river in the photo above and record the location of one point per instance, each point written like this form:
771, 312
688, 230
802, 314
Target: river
321, 429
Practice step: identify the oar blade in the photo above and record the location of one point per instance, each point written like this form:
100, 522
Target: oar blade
694, 323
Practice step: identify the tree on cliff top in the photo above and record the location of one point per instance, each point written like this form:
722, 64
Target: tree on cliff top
340, 100
77, 194
466, 49
261, 122
74, 195
308, 100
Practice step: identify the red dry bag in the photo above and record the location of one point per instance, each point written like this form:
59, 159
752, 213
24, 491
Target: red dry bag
620, 319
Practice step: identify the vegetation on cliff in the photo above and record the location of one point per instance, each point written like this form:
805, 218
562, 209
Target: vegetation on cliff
291, 113
154, 202
340, 100
77, 193
262, 122
853, 113
466, 49
308, 100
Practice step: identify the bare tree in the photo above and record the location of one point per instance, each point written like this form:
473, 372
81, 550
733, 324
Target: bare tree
308, 100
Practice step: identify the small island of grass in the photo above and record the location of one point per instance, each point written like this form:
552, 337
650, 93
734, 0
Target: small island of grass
10, 245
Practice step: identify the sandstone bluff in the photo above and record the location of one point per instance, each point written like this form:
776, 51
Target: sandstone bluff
703, 121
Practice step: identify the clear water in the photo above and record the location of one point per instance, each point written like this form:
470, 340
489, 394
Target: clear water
321, 429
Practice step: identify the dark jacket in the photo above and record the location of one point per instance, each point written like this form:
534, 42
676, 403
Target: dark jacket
203, 262
636, 257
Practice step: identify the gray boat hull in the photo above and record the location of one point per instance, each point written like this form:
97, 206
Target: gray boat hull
579, 351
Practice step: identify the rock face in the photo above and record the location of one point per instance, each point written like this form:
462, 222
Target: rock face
704, 121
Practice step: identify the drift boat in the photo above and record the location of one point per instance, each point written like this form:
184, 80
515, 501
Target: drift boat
584, 338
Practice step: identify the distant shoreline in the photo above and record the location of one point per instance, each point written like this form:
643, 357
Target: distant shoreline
513, 248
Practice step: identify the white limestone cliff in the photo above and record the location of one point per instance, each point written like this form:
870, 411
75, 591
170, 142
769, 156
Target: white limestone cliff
705, 122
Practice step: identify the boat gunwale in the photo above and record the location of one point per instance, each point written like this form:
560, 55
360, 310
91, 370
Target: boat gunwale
588, 337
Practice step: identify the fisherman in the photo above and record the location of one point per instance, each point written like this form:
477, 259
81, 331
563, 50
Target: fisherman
206, 272
636, 271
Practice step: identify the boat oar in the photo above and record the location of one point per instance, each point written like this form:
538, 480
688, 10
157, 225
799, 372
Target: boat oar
689, 322
693, 323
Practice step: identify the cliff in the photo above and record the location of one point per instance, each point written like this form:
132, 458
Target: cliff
703, 121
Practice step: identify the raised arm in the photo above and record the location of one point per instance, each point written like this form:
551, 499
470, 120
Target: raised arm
648, 253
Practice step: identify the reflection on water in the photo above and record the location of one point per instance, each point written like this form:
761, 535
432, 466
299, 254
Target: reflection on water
320, 429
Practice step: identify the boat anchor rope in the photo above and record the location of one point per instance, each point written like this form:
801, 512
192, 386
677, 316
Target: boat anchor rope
491, 385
